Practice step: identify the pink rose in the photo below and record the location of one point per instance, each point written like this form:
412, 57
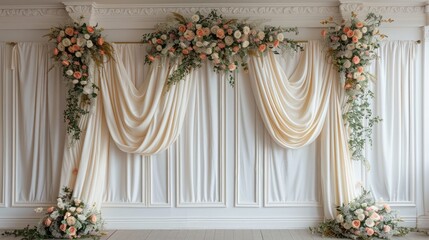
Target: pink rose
235, 49
232, 67
200, 32
355, 39
63, 227
229, 31
206, 31
346, 29
323, 33
185, 51
100, 41
355, 59
172, 49
359, 24
151, 58
59, 39
276, 43
50, 209
386, 228
182, 28
72, 231
93, 219
262, 47
56, 51
159, 41
189, 25
84, 67
77, 75
203, 56
89, 29
220, 33
65, 63
355, 223
75, 47
369, 231
360, 69
221, 45
349, 75
69, 31
73, 40
225, 26
350, 33
387, 208
47, 222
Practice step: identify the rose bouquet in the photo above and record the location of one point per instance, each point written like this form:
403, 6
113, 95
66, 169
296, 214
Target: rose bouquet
70, 218
77, 46
225, 42
352, 46
362, 218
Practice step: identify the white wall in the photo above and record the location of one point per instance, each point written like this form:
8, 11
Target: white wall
233, 208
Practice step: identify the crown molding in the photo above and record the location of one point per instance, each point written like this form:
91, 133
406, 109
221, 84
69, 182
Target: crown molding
81, 10
31, 17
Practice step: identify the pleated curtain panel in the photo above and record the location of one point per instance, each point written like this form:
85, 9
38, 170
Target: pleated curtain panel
142, 117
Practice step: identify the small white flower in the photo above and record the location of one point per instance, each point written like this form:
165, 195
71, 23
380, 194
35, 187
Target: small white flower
164, 37
59, 199
364, 30
270, 38
83, 82
86, 36
280, 37
356, 75
75, 81
61, 47
237, 34
69, 72
344, 37
347, 64
199, 44
245, 44
340, 218
153, 40
261, 35
195, 18
62, 33
38, 210
60, 205
246, 30
209, 51
81, 217
89, 44
229, 40
71, 221
78, 54
72, 209
159, 48
198, 26
87, 90
66, 42
369, 222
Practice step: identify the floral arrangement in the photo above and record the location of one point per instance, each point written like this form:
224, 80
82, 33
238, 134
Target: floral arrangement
77, 46
351, 45
70, 218
364, 219
225, 42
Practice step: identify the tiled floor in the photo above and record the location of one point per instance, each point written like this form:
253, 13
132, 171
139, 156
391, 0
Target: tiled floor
222, 235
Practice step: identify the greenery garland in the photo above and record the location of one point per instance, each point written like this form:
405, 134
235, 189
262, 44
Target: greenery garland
77, 46
227, 43
352, 45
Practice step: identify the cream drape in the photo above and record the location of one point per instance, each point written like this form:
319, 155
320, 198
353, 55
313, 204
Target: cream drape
296, 110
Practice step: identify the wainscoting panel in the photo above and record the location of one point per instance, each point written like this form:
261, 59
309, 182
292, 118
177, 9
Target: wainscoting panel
159, 179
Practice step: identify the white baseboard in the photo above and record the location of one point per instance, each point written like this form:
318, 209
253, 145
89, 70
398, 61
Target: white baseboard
423, 222
205, 223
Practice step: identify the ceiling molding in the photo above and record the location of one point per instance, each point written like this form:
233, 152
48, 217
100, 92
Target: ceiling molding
81, 10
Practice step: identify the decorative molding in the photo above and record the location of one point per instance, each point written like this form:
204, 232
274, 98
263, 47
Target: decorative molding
426, 33
31, 11
79, 10
150, 182
423, 222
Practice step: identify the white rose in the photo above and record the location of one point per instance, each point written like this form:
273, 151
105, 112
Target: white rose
89, 44
364, 30
86, 36
215, 55
87, 90
198, 26
261, 35
350, 46
80, 42
69, 72
79, 210
364, 205
358, 33
361, 217
75, 81
246, 30
81, 217
356, 75
369, 222
347, 64
72, 209
66, 42
182, 45
62, 33
348, 54
153, 40
213, 44
83, 82
347, 226
205, 43
159, 48
340, 218
61, 47
245, 44
344, 37
337, 28
229, 40
195, 18
364, 46
78, 54
77, 201
280, 37
214, 29
60, 205
237, 34
199, 44
71, 221
209, 51
59, 200
164, 37
358, 211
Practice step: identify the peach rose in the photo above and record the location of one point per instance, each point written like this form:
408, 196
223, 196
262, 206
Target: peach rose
203, 56
100, 41
189, 25
220, 33
355, 39
93, 219
89, 29
182, 28
151, 58
221, 45
235, 49
350, 33
369, 231
63, 227
73, 40
359, 24
276, 43
232, 67
159, 41
200, 32
348, 86
59, 39
185, 51
77, 75
360, 69
56, 51
206, 31
346, 29
69, 31
386, 228
355, 223
72, 231
50, 209
75, 47
262, 47
323, 33
355, 59
65, 63
47, 222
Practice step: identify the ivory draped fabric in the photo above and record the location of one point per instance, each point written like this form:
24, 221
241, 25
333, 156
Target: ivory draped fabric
296, 110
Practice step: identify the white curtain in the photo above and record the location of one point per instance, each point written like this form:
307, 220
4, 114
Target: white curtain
296, 110
396, 139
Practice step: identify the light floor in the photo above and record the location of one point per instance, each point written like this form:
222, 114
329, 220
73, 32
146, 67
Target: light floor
301, 234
